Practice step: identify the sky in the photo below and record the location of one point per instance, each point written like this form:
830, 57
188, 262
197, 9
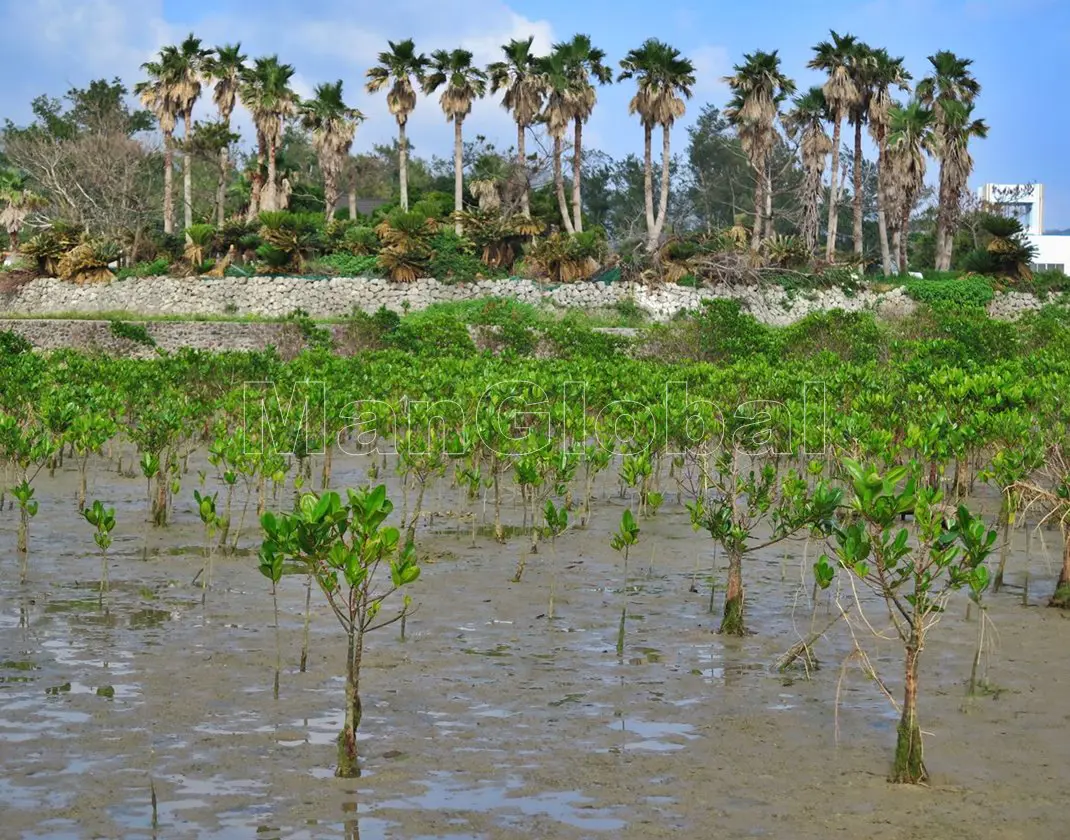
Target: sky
1017, 47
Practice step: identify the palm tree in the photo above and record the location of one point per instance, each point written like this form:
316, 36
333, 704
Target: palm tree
758, 88
224, 67
265, 90
333, 125
861, 66
156, 94
185, 65
403, 69
462, 84
806, 123
16, 203
835, 58
955, 128
950, 82
583, 61
663, 76
886, 73
518, 75
909, 138
557, 115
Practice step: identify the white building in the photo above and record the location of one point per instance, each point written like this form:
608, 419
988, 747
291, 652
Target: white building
1026, 203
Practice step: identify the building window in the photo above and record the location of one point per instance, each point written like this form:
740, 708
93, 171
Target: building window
1049, 267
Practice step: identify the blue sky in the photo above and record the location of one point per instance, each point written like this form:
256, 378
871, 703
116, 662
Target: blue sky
1017, 45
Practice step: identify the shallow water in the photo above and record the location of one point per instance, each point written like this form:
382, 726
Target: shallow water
489, 721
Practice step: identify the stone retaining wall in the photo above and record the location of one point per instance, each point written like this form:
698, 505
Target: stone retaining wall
337, 297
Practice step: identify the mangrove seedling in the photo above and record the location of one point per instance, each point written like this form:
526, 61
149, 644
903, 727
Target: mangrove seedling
271, 568
344, 545
28, 505
103, 520
627, 535
556, 523
914, 569
206, 509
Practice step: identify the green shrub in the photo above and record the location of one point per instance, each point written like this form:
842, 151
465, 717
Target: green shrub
947, 333
1047, 282
454, 259
853, 336
347, 265
968, 291
726, 333
424, 332
156, 268
317, 337
573, 337
13, 344
369, 332
132, 332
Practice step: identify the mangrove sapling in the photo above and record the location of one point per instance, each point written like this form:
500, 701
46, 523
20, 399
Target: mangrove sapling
915, 570
627, 535
746, 499
596, 458
206, 509
556, 523
1021, 455
271, 568
1055, 499
28, 507
88, 434
344, 545
103, 520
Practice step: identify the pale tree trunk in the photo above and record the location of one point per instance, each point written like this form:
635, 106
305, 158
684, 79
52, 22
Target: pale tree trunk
768, 186
458, 172
909, 766
577, 160
559, 186
663, 199
268, 191
330, 191
882, 221
187, 176
403, 169
830, 242
648, 187
904, 239
168, 183
759, 209
812, 192
522, 162
352, 201
897, 237
858, 189
221, 187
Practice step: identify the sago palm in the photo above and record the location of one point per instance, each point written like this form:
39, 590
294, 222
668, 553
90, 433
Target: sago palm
758, 88
403, 69
806, 123
224, 67
518, 75
664, 79
835, 57
949, 82
462, 83
333, 125
265, 91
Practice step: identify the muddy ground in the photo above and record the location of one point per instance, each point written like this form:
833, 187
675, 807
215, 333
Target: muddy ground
488, 721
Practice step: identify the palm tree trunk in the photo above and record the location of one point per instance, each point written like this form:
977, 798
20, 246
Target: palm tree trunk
830, 241
330, 190
767, 185
812, 199
352, 199
882, 220
458, 172
663, 199
858, 188
187, 176
577, 161
221, 187
759, 209
268, 192
648, 187
943, 224
168, 183
522, 164
904, 238
403, 170
559, 186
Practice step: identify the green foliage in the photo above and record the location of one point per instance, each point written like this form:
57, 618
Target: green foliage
454, 259
726, 333
430, 333
343, 264
157, 268
963, 291
13, 344
315, 336
853, 336
131, 332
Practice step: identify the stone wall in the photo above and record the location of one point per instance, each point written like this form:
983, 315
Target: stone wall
337, 297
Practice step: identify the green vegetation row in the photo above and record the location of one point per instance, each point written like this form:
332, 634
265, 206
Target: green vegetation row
832, 445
